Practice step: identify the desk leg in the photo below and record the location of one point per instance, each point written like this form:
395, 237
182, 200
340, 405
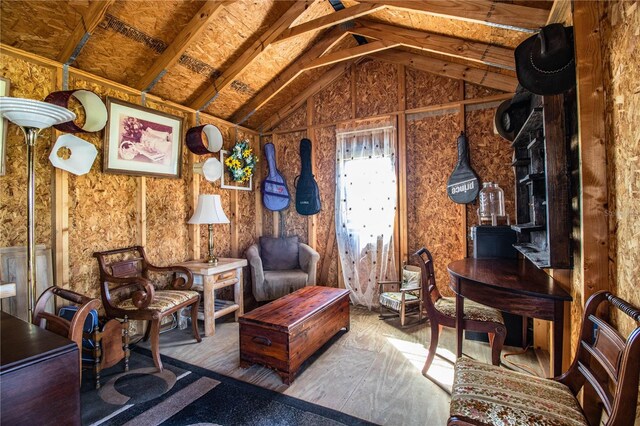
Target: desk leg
558, 326
209, 306
238, 294
459, 320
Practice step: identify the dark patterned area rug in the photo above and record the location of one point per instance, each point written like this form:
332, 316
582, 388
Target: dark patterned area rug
184, 394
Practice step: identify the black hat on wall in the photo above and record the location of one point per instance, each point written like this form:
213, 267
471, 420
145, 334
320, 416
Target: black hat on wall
545, 63
512, 113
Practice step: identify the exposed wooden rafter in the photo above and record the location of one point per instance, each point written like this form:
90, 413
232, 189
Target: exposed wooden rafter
330, 20
268, 37
487, 12
329, 77
189, 33
350, 53
84, 29
450, 46
560, 13
448, 69
288, 75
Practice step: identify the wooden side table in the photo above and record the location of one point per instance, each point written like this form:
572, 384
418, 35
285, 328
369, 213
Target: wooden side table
228, 272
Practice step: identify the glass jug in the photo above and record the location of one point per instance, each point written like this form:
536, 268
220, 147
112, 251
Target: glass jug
491, 203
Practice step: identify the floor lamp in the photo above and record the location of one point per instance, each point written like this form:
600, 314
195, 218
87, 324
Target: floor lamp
32, 117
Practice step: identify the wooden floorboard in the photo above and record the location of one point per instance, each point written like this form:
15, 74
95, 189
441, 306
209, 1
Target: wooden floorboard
372, 372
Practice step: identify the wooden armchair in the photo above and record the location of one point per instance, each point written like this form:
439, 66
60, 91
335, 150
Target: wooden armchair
442, 313
72, 330
408, 298
127, 291
604, 361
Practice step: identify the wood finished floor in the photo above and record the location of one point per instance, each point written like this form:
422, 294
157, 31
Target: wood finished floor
372, 372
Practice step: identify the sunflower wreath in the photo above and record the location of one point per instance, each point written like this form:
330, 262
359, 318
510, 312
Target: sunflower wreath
241, 162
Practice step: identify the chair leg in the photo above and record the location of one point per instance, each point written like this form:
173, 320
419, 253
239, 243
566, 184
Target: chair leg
155, 343
402, 311
147, 330
496, 345
194, 320
435, 335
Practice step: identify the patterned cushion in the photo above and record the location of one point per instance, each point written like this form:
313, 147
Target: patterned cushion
491, 395
472, 310
162, 300
410, 279
392, 300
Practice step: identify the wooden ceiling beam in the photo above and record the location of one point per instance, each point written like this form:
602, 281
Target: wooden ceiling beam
330, 20
447, 69
351, 53
560, 13
430, 42
81, 33
329, 77
486, 12
174, 51
268, 37
288, 75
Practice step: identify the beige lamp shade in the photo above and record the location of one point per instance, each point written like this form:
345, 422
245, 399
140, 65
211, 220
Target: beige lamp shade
209, 210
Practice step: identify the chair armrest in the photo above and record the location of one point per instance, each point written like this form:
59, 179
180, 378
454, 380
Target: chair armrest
257, 273
141, 298
308, 259
178, 283
381, 284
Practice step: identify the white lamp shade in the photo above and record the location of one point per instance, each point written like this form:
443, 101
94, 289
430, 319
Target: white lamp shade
82, 155
209, 210
31, 113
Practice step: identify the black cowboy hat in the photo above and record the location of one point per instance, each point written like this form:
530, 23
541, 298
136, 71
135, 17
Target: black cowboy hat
545, 63
512, 113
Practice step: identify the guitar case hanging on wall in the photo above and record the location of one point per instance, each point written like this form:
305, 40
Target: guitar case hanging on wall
275, 194
307, 192
463, 186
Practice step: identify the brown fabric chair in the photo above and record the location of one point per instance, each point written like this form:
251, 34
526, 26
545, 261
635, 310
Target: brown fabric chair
442, 313
127, 291
604, 360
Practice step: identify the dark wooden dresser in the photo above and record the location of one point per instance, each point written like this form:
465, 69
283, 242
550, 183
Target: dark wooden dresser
39, 375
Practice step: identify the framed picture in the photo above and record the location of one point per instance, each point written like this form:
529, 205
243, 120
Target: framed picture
226, 181
142, 141
4, 91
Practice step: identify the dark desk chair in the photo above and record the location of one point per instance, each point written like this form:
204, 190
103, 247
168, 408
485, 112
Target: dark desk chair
127, 292
604, 360
442, 313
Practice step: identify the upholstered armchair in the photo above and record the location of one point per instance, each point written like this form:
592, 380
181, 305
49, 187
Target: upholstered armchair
280, 266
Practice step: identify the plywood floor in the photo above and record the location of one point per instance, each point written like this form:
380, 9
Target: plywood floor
372, 372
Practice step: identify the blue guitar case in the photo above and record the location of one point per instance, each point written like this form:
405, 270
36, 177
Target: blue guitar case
275, 194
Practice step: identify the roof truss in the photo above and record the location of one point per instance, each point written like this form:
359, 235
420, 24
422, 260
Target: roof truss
268, 37
84, 29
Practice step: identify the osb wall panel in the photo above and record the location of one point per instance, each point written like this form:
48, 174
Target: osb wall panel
491, 160
334, 102
246, 225
297, 119
288, 152
474, 91
35, 82
324, 139
621, 24
376, 88
168, 207
424, 89
40, 27
102, 207
433, 220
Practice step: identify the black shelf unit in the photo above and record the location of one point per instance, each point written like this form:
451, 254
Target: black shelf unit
542, 183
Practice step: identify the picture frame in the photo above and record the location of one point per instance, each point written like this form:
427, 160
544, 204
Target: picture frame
4, 123
225, 180
140, 141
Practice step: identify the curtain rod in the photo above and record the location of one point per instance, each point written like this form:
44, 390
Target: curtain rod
364, 130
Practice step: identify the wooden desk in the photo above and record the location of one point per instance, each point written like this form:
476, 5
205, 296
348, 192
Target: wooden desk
228, 272
515, 286
39, 375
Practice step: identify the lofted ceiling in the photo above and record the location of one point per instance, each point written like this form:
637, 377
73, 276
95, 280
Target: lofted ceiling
253, 61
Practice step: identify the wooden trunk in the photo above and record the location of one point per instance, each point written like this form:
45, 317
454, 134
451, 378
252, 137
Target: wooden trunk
283, 334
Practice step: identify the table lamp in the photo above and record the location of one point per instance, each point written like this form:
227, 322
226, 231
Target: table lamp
209, 211
32, 117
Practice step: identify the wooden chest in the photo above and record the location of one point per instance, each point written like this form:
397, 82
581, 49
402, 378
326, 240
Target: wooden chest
286, 332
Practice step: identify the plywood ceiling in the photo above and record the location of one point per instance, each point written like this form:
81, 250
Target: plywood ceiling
244, 60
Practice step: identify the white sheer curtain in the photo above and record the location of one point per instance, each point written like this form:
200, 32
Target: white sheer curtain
365, 209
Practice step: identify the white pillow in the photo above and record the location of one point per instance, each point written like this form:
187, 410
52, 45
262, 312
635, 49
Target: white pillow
410, 279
